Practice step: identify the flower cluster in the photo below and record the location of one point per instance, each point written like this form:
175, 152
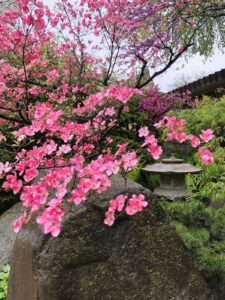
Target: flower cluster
151, 143
134, 204
176, 130
156, 104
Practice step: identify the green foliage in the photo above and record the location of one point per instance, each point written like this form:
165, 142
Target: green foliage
208, 113
4, 275
211, 182
202, 230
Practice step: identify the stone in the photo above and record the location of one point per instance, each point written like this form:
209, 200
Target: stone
139, 257
7, 236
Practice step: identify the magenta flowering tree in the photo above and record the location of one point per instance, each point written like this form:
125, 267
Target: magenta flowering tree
156, 104
60, 101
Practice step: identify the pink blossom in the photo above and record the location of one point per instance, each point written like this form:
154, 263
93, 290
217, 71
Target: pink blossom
206, 156
143, 131
159, 124
120, 201
1, 168
52, 179
136, 204
171, 136
7, 167
109, 139
51, 219
110, 111
194, 140
150, 139
13, 184
18, 223
65, 149
30, 174
181, 137
2, 137
34, 196
50, 147
129, 160
121, 149
78, 196
109, 217
206, 135
112, 167
155, 150
115, 204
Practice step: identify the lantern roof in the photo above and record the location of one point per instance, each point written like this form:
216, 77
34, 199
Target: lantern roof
172, 165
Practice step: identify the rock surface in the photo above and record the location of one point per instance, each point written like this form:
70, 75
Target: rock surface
7, 236
139, 258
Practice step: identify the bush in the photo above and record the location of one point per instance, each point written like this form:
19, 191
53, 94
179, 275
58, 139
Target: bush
208, 113
202, 230
4, 275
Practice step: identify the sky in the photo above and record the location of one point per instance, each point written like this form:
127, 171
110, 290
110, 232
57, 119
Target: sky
196, 68
193, 69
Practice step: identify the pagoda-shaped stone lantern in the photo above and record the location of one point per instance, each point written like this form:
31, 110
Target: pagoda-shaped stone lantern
172, 173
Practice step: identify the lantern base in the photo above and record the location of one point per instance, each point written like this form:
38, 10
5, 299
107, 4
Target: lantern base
170, 194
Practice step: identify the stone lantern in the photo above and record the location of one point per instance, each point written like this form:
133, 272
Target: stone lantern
172, 173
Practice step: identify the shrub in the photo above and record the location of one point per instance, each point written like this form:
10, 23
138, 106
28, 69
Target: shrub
4, 275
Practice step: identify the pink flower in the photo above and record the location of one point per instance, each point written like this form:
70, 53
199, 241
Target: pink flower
109, 217
194, 140
18, 223
143, 131
78, 196
129, 161
34, 196
52, 179
159, 124
1, 168
150, 139
136, 204
115, 204
126, 108
181, 137
51, 219
171, 136
206, 135
65, 149
30, 174
206, 156
54, 202
2, 137
7, 167
121, 149
155, 150
50, 148
13, 184
110, 111
109, 139
112, 167
119, 202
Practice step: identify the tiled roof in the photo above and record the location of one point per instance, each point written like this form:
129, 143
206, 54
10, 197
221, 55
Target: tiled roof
205, 85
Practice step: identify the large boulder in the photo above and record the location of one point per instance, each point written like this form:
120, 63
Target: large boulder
7, 236
140, 257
